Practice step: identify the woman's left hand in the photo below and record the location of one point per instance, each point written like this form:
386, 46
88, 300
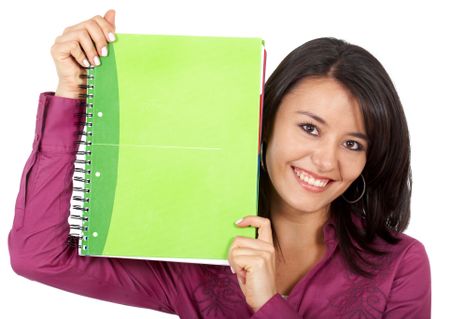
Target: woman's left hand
253, 260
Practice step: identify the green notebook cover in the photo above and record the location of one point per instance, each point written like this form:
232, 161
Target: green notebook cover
172, 141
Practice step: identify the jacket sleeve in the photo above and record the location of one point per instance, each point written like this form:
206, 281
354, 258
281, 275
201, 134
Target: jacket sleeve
276, 307
410, 295
38, 242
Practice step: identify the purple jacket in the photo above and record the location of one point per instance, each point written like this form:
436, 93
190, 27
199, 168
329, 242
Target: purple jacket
39, 251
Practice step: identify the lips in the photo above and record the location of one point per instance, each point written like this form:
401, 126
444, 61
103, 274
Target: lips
311, 181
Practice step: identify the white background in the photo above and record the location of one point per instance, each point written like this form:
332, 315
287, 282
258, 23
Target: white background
410, 39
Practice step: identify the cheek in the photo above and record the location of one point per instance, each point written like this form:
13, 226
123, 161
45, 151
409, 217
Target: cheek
281, 155
352, 167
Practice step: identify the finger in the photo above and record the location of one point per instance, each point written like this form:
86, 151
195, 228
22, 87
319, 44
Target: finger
250, 252
99, 30
108, 22
83, 37
71, 48
243, 264
242, 260
110, 17
245, 242
263, 224
238, 265
98, 36
235, 260
240, 242
107, 25
251, 261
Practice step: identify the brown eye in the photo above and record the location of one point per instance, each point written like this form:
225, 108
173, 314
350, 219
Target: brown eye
309, 128
353, 145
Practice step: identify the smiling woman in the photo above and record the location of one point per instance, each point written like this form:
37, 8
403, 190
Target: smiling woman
351, 124
337, 169
335, 188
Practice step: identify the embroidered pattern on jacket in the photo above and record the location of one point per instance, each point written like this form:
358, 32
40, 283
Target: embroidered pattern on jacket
362, 297
218, 295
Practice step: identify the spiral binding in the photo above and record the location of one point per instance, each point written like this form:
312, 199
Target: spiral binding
81, 192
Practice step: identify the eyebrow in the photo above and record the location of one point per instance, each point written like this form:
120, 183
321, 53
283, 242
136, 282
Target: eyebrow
321, 120
314, 116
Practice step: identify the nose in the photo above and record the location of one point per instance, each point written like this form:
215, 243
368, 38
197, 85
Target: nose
324, 157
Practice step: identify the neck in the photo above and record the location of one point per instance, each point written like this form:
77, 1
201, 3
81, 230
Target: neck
297, 230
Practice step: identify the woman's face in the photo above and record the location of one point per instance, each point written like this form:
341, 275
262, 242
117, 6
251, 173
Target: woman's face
318, 144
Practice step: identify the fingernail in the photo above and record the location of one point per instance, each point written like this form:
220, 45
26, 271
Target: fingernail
232, 270
239, 220
96, 60
111, 37
86, 63
104, 51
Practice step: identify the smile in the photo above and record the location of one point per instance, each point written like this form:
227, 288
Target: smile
309, 182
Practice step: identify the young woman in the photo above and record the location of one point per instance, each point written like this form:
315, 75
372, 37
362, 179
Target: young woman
335, 198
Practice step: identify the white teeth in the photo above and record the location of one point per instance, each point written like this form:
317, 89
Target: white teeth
311, 181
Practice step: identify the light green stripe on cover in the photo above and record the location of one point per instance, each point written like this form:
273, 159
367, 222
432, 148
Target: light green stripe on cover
205, 177
104, 152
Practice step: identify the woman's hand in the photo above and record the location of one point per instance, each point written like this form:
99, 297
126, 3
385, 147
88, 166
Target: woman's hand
80, 46
253, 260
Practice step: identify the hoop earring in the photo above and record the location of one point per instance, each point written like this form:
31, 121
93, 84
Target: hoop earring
262, 157
360, 196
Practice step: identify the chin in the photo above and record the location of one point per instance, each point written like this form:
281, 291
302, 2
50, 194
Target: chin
307, 206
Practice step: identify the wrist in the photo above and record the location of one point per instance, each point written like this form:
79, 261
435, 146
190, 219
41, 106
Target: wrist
68, 92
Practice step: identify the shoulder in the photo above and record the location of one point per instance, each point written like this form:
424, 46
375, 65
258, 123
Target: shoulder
409, 279
405, 259
408, 258
409, 247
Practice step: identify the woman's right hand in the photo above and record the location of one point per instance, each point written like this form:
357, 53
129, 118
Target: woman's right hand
79, 46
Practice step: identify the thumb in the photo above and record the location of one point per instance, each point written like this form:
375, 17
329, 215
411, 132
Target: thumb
110, 16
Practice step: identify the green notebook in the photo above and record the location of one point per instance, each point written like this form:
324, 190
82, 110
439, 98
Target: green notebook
169, 156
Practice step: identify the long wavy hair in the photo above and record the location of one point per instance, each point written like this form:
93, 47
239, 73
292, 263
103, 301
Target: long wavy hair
385, 207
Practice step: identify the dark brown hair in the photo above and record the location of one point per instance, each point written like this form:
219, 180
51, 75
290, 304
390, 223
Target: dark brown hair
385, 207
